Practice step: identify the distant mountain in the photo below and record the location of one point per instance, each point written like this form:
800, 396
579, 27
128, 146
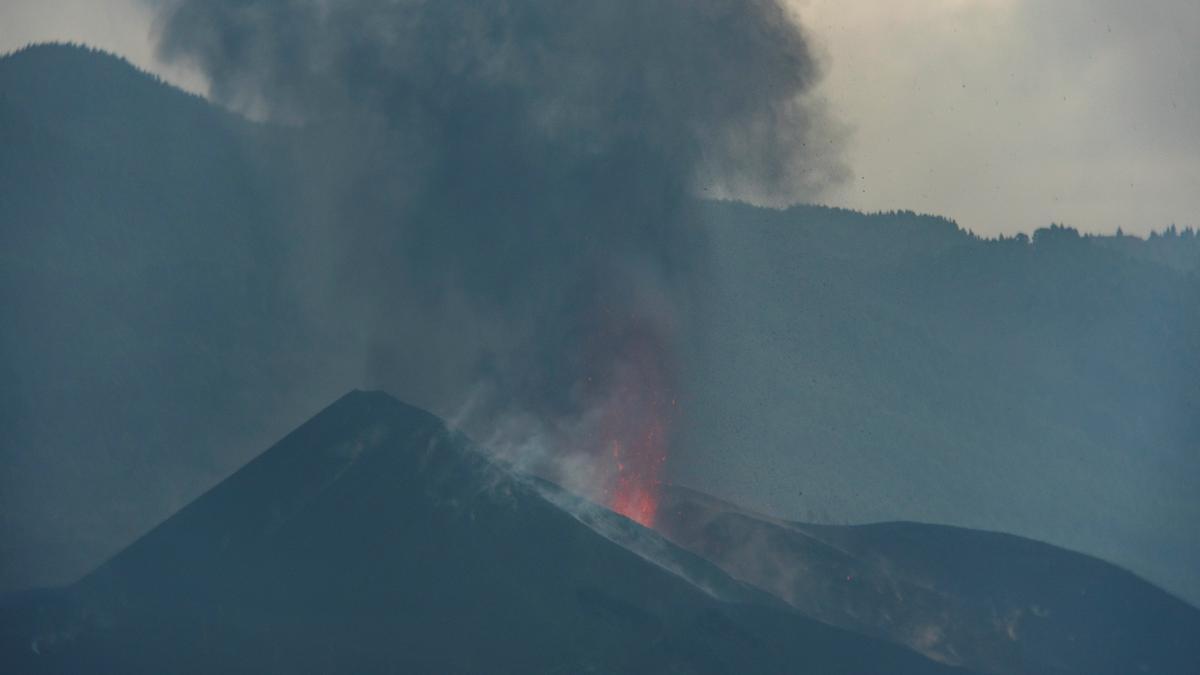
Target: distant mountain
860, 368
991, 602
372, 539
164, 296
144, 322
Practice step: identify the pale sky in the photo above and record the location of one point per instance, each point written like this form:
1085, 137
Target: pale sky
1004, 115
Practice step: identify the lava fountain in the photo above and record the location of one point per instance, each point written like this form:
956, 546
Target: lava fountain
637, 413
610, 444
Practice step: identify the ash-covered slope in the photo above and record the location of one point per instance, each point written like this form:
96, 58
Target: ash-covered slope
372, 539
993, 602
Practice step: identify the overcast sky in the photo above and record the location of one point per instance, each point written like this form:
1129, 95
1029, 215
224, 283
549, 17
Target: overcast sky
1002, 114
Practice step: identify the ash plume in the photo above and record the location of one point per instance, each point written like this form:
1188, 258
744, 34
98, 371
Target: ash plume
493, 201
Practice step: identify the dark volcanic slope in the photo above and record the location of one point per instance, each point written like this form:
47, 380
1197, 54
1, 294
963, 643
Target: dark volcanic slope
372, 539
992, 602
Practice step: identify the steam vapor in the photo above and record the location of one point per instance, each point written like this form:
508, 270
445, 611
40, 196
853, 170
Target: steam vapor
494, 201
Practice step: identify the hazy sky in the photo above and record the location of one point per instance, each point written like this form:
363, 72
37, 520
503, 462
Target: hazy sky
1002, 114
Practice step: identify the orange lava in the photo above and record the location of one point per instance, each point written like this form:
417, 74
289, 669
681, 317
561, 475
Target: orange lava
635, 428
636, 503
635, 495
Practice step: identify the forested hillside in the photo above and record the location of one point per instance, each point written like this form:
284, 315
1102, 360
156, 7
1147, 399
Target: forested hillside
895, 364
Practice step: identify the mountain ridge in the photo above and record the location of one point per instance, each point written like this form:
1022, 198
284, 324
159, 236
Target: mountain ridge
374, 518
989, 601
370, 539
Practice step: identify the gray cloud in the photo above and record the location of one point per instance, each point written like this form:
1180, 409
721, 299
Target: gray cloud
1140, 59
1010, 114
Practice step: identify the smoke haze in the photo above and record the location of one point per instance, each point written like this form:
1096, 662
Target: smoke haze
506, 189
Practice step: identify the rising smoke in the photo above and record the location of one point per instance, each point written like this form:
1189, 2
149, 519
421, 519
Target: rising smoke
494, 206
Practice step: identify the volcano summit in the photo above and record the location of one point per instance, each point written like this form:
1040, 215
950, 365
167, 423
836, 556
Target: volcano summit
373, 539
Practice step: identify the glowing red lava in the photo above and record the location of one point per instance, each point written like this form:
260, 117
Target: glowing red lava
635, 494
637, 418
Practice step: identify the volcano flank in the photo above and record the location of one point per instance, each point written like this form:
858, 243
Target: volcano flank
374, 539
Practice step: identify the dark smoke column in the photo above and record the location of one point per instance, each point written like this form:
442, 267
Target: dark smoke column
499, 195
